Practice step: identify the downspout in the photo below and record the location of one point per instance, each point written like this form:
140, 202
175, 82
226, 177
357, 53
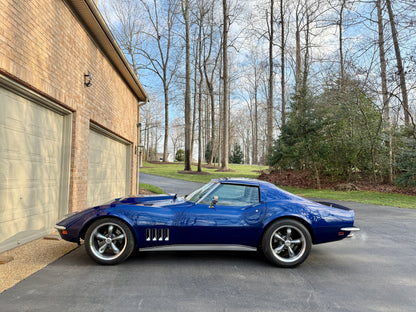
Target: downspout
138, 145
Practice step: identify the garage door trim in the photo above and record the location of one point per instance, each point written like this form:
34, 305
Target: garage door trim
36, 98
106, 133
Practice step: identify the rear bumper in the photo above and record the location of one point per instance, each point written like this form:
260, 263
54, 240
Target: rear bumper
350, 229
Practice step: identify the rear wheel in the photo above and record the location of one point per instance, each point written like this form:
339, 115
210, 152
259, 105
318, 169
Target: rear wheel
109, 241
286, 243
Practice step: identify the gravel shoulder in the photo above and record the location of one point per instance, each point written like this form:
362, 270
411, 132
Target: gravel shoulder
23, 261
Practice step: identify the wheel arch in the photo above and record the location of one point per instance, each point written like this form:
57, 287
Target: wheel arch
92, 220
295, 218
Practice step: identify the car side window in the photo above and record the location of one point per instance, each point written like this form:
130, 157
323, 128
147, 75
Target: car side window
234, 195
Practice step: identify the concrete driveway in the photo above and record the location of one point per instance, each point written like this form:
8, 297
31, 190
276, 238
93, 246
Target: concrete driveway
374, 271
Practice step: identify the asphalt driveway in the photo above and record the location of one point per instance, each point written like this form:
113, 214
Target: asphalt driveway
374, 271
170, 186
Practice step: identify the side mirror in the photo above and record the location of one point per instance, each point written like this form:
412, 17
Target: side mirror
213, 202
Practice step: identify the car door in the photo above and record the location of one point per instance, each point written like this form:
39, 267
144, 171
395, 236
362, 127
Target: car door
234, 219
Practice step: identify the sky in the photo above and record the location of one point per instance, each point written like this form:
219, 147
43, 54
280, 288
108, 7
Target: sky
247, 32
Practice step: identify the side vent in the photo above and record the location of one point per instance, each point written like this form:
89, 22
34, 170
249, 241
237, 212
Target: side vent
157, 235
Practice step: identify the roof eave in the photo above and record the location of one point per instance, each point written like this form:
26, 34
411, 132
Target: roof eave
91, 17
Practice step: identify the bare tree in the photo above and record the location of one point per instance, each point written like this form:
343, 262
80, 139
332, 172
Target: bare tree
188, 156
270, 102
226, 104
202, 11
383, 74
151, 119
177, 134
341, 41
127, 27
298, 73
400, 69
282, 62
157, 49
210, 66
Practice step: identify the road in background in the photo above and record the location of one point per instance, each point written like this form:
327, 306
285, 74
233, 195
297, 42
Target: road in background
170, 186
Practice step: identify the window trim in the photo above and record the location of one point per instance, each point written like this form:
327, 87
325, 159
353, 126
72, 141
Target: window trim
238, 184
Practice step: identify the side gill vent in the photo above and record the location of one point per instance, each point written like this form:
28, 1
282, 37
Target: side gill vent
157, 235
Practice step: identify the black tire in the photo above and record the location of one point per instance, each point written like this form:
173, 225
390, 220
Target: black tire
286, 243
109, 241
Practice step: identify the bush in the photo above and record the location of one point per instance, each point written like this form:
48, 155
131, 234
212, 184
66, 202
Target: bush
335, 133
406, 164
180, 155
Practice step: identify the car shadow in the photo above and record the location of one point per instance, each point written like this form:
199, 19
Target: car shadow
319, 259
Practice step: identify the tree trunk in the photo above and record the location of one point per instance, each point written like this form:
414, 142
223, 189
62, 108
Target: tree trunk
306, 57
269, 140
400, 69
341, 52
166, 138
187, 92
224, 165
209, 80
298, 72
386, 104
318, 180
194, 108
200, 92
256, 127
282, 60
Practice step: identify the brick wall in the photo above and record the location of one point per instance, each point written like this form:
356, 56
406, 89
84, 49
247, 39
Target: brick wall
44, 44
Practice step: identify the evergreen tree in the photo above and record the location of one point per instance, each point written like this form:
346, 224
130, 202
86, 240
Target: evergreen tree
237, 155
180, 155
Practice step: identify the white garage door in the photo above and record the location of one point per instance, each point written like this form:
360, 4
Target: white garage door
109, 167
32, 171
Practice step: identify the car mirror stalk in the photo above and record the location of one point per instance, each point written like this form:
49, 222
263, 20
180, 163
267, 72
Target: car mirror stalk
213, 202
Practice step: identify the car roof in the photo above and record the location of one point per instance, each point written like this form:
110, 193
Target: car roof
239, 181
269, 191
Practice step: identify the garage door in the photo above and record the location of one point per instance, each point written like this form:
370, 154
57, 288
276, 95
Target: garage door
109, 167
32, 172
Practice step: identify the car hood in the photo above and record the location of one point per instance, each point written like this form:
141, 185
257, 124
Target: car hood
149, 200
138, 203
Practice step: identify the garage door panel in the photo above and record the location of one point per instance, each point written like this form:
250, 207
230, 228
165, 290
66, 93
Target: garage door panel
31, 154
28, 210
108, 168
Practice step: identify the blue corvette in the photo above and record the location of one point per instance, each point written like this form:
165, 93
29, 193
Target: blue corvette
241, 212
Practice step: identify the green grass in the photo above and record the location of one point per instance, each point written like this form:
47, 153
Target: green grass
245, 171
151, 188
366, 197
171, 171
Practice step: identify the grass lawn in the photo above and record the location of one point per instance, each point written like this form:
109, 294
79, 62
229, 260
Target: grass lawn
376, 198
246, 171
151, 188
171, 171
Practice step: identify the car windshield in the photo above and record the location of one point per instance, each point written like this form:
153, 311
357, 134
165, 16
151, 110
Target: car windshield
199, 193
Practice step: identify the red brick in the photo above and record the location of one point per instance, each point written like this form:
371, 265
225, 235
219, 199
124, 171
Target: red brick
43, 44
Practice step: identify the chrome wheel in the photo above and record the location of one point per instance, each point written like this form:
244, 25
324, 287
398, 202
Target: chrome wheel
287, 243
109, 241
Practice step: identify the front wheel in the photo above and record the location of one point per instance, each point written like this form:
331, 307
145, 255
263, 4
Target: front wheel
109, 241
286, 243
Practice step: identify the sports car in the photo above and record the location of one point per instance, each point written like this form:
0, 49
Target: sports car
227, 212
